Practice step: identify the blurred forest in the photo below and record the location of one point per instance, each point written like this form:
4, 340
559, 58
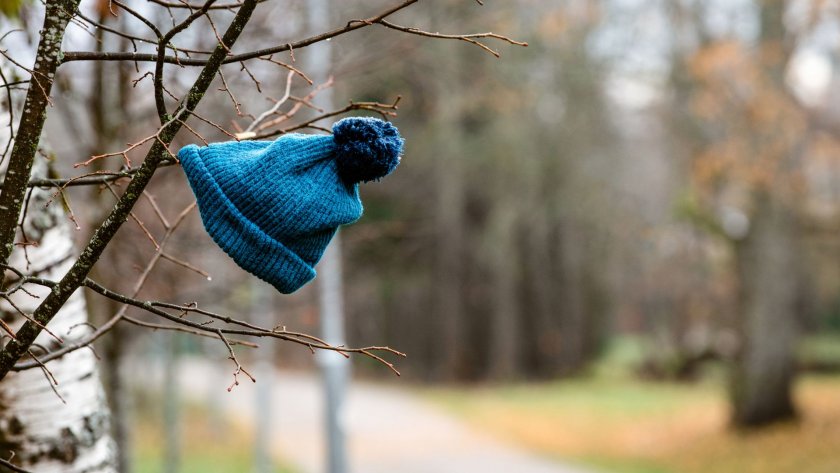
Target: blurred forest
663, 169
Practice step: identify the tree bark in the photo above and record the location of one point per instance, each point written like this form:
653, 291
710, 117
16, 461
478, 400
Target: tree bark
768, 262
448, 298
765, 366
448, 284
48, 433
541, 339
504, 355
47, 59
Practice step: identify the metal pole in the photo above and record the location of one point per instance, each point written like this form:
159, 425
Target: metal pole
171, 405
262, 314
334, 368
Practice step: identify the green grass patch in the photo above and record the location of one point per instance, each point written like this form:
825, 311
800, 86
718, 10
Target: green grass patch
206, 446
822, 348
614, 422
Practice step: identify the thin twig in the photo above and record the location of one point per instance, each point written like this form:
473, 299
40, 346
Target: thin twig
192, 6
144, 57
11, 466
381, 108
178, 328
48, 374
276, 106
186, 265
469, 38
232, 357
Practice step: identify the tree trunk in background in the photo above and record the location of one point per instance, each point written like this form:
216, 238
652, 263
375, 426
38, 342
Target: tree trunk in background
765, 366
449, 262
109, 104
540, 337
171, 412
449, 258
767, 260
573, 325
580, 212
45, 433
503, 355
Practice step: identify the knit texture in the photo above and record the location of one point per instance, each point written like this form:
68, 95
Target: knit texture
273, 206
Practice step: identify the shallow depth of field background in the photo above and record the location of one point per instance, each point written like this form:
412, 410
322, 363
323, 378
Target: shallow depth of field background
570, 253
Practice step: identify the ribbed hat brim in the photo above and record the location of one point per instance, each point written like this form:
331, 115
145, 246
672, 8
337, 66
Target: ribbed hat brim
251, 248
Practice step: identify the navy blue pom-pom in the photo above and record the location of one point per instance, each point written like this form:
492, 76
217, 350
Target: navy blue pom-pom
367, 149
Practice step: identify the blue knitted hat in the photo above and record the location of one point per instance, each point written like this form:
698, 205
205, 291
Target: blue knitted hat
273, 206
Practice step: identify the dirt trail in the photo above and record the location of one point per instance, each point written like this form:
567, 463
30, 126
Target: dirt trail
389, 430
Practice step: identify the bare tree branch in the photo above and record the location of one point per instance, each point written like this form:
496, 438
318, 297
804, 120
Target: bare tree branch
164, 40
278, 119
11, 466
192, 6
77, 274
251, 330
469, 38
143, 57
120, 315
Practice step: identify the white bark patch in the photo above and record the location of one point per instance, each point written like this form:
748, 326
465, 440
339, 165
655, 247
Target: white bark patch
46, 434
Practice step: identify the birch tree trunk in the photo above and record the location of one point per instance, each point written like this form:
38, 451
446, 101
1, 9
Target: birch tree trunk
62, 428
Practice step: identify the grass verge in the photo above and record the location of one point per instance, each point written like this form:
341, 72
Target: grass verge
619, 424
208, 445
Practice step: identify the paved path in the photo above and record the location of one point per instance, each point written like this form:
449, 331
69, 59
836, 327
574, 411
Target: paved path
389, 429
